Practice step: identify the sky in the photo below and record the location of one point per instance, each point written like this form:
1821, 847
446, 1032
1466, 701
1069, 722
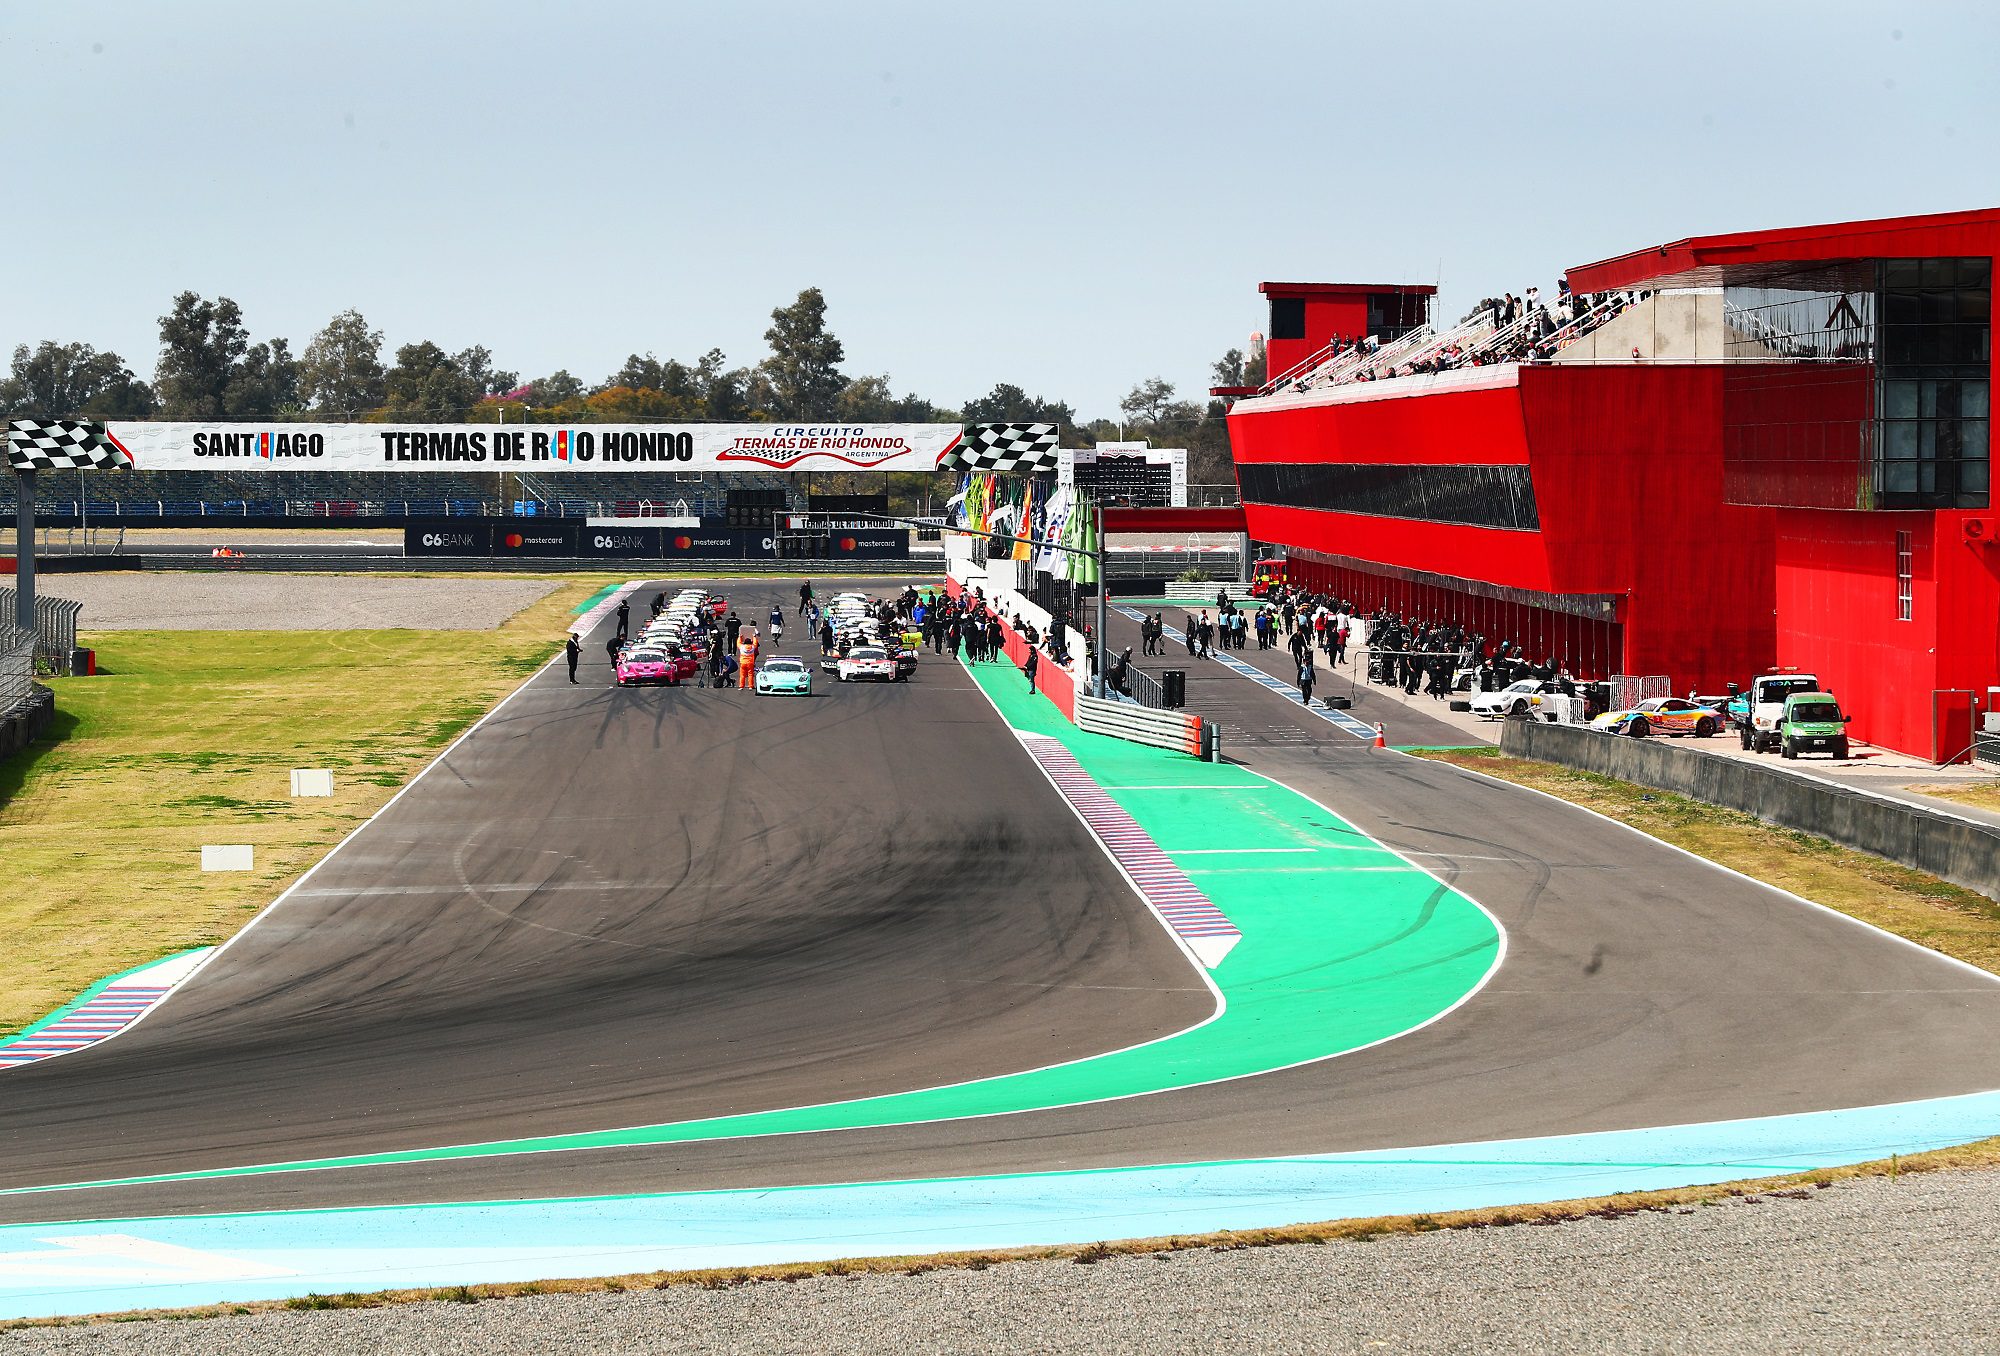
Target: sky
1071, 197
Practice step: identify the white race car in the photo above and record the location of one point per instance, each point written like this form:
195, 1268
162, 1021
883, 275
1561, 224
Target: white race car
1522, 698
866, 664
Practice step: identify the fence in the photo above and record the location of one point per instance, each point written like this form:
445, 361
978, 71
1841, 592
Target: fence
1161, 729
55, 628
1628, 690
17, 669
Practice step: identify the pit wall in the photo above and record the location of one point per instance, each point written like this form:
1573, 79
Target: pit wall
1052, 681
1961, 851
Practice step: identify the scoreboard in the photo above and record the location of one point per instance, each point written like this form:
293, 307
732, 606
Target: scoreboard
1146, 477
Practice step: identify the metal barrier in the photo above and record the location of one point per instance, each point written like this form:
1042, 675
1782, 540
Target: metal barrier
55, 628
1161, 729
17, 668
1144, 689
1986, 749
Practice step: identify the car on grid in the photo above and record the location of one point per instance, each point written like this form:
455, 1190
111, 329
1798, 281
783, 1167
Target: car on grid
785, 673
640, 664
866, 664
1661, 715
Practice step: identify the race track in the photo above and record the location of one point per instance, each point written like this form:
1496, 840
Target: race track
611, 909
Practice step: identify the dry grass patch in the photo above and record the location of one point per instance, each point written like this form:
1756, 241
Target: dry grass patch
1934, 913
1984, 795
188, 737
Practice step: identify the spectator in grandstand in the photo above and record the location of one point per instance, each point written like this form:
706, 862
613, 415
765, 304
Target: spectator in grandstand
572, 651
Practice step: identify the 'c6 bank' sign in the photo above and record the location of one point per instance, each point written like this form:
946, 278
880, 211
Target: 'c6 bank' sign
540, 448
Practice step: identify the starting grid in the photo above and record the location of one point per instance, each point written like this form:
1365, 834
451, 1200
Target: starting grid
1340, 720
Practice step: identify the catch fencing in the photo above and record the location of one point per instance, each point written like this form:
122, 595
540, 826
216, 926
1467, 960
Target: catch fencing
55, 628
17, 669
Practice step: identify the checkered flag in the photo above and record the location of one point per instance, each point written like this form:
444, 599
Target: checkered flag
62, 445
1020, 448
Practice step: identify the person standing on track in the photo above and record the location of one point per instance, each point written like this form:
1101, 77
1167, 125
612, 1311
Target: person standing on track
624, 618
734, 625
718, 664
746, 659
1032, 667
805, 597
572, 651
1306, 677
777, 624
611, 647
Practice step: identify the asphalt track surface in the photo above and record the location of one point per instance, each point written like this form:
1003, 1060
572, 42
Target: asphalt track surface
613, 908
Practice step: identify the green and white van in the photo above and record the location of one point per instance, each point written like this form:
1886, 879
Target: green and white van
1812, 723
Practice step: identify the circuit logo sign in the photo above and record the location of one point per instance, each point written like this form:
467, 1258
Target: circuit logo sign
786, 445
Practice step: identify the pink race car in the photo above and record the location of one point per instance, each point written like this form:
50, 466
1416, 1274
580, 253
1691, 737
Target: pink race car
646, 665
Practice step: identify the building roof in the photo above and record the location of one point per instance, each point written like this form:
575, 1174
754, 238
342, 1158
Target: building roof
1295, 289
1750, 257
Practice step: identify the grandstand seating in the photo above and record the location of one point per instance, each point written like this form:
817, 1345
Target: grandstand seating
147, 494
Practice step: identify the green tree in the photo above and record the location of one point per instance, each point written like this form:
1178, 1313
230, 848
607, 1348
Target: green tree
1009, 404
558, 388
58, 381
804, 366
1152, 402
868, 400
341, 373
1227, 370
476, 365
200, 345
428, 386
264, 384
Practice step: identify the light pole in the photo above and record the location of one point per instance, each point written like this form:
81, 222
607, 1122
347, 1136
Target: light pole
24, 550
1103, 646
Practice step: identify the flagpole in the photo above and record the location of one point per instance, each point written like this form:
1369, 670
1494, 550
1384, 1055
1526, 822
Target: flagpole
1103, 650
24, 550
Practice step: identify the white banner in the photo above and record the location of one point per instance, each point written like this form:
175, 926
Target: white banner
541, 448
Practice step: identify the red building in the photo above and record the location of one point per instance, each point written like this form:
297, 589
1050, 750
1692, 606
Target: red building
1306, 317
1792, 471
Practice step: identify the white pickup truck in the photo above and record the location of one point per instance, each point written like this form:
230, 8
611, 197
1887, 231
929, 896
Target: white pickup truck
1759, 711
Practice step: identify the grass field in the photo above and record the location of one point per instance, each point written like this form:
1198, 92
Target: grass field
1985, 795
188, 737
1934, 913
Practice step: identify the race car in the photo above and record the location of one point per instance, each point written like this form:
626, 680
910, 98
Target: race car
1519, 698
866, 664
644, 664
1661, 715
785, 673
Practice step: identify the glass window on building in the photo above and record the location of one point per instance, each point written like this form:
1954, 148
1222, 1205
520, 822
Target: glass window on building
1934, 369
1288, 317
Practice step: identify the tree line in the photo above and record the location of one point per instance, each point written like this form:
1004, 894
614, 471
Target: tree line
209, 370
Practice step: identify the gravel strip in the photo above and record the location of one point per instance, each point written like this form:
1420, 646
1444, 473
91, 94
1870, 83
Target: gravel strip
1872, 1265
281, 602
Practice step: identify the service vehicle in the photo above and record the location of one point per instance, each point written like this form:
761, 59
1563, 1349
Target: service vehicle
785, 673
1265, 577
1661, 715
1522, 697
1812, 722
644, 664
866, 664
1763, 706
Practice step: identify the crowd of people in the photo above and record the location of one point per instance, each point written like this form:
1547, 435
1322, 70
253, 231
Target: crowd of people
1428, 656
1527, 328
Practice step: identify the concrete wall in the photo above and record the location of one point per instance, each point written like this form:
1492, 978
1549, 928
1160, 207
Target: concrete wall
1958, 850
24, 727
1668, 326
